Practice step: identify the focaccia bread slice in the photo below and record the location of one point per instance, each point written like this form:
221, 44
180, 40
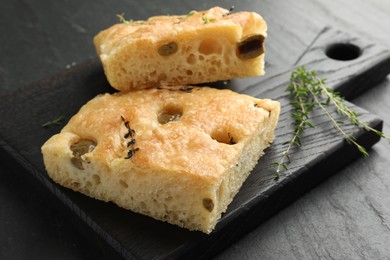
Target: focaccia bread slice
199, 47
177, 154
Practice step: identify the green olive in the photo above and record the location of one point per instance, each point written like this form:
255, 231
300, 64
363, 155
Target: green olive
166, 117
169, 113
208, 204
251, 47
168, 49
80, 148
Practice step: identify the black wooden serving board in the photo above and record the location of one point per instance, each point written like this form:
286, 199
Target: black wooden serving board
136, 236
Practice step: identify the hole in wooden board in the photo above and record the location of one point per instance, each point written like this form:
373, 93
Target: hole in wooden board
343, 51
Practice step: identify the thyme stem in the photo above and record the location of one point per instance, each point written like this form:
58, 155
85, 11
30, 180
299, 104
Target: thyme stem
55, 121
286, 154
346, 111
348, 137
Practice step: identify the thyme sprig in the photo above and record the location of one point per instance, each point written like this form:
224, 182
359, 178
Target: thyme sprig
130, 144
299, 94
308, 91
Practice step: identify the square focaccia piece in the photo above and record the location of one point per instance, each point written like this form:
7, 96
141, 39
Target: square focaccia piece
199, 47
177, 154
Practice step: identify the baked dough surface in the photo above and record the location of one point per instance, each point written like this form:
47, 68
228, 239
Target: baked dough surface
178, 154
199, 47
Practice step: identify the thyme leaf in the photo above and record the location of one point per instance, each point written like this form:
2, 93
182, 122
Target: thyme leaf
207, 20
308, 91
122, 18
191, 13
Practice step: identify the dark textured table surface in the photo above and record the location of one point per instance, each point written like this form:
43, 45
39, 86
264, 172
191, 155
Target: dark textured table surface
345, 217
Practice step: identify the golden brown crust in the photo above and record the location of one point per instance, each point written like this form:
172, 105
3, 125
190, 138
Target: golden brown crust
189, 142
206, 44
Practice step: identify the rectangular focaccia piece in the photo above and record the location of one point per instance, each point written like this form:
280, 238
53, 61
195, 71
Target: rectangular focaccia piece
200, 47
177, 154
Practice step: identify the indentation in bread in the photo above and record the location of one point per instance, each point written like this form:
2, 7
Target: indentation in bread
186, 169
175, 50
169, 113
79, 151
